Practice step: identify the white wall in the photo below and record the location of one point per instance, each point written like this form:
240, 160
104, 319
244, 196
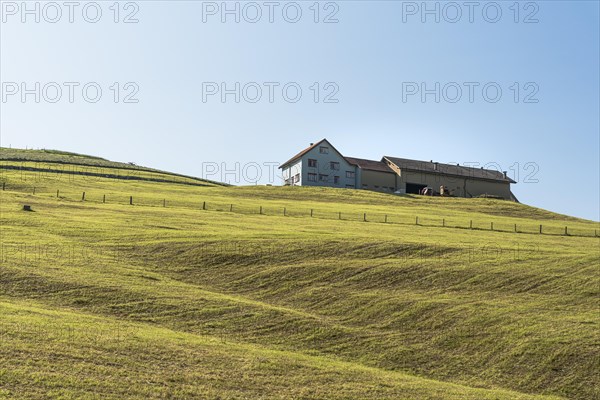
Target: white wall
324, 168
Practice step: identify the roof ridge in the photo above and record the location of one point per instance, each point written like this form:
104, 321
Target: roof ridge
450, 169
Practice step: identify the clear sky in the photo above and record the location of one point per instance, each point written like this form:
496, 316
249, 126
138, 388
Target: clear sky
390, 80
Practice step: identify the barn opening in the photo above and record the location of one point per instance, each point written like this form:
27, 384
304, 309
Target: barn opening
414, 188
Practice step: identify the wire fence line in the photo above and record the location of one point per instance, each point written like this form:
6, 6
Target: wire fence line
373, 217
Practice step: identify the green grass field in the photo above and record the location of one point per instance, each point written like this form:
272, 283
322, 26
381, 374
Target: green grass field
191, 292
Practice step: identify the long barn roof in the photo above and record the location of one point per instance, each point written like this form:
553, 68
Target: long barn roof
448, 169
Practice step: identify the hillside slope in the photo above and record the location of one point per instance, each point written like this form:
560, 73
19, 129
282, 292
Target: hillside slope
223, 292
68, 164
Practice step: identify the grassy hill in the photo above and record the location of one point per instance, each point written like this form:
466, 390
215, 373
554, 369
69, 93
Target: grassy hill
66, 163
238, 292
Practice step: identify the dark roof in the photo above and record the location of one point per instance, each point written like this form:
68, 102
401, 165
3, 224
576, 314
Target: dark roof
306, 150
369, 164
448, 169
303, 152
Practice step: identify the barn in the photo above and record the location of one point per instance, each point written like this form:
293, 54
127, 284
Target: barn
321, 164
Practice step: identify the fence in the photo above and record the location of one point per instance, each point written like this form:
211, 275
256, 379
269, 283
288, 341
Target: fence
373, 217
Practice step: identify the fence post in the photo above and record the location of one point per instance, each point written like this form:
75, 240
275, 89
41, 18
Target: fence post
231, 208
491, 225
260, 210
34, 190
311, 212
471, 224
83, 196
540, 229
164, 202
416, 220
340, 215
57, 193
3, 185
385, 220
443, 222
130, 200
104, 198
566, 231
284, 211
365, 217
204, 205
515, 227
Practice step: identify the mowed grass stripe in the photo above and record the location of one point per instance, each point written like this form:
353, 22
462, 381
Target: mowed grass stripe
193, 366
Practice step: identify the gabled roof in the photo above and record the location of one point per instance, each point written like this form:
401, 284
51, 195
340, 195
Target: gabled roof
306, 150
371, 165
303, 152
448, 169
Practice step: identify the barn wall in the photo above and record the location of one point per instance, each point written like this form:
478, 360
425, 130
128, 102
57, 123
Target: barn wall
479, 187
462, 187
378, 181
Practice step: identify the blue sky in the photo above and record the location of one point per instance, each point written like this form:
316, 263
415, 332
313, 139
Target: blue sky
543, 56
